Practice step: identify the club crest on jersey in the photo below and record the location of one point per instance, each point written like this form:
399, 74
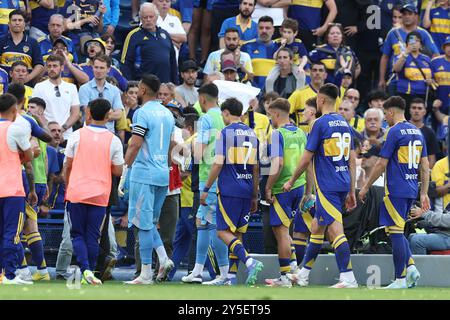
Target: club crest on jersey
163, 35
26, 49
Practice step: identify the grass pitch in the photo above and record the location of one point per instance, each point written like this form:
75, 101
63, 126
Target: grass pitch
114, 290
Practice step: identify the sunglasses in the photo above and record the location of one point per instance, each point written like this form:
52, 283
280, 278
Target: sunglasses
57, 93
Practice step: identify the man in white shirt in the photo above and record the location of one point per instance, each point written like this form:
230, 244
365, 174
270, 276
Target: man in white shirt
187, 94
61, 98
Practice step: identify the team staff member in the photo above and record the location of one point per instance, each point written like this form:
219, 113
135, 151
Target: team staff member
149, 49
16, 46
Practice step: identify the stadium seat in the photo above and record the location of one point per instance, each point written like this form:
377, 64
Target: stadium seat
441, 252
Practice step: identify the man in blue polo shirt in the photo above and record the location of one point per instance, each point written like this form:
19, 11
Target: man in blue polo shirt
16, 46
248, 29
149, 49
221, 10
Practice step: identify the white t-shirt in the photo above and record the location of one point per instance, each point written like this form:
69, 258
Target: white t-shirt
18, 137
277, 14
116, 151
57, 108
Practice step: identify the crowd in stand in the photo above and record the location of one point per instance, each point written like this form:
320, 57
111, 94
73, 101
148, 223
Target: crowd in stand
58, 56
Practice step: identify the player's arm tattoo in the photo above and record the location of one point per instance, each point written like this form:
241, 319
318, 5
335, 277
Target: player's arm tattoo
30, 175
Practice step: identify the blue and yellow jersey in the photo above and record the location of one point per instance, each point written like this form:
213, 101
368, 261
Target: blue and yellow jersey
441, 70
113, 72
46, 45
410, 79
331, 141
44, 14
247, 32
28, 96
327, 55
27, 51
239, 146
6, 6
440, 25
307, 13
182, 9
358, 123
86, 9
439, 175
404, 146
4, 79
297, 47
392, 46
262, 60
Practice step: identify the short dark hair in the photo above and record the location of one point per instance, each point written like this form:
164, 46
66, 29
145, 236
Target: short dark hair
254, 2
417, 101
233, 105
17, 12
108, 36
311, 102
103, 58
39, 101
330, 90
99, 108
281, 104
55, 58
210, 90
395, 102
17, 90
265, 19
319, 63
190, 116
289, 51
152, 82
7, 101
414, 34
271, 95
18, 63
376, 94
290, 23
132, 84
229, 30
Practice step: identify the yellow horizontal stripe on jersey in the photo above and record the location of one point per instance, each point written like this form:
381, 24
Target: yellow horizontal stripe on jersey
403, 154
330, 64
308, 3
414, 74
262, 67
238, 155
331, 148
8, 58
4, 15
393, 213
440, 26
442, 78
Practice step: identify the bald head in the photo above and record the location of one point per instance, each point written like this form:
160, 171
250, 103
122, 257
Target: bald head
56, 26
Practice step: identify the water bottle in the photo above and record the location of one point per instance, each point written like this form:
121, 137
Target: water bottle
309, 203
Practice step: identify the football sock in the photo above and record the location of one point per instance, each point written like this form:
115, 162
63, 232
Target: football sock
312, 250
284, 265
34, 241
342, 253
300, 248
398, 253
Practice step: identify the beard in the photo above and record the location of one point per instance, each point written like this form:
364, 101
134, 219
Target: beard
139, 101
245, 15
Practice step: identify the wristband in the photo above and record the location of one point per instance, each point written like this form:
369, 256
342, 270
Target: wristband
206, 189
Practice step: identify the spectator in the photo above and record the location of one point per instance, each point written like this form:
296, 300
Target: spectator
394, 45
373, 131
201, 26
142, 55
289, 31
441, 69
111, 16
418, 111
438, 21
3, 81
439, 174
348, 112
131, 105
356, 122
337, 57
186, 93
56, 29
6, 7
170, 23
183, 10
221, 10
56, 185
351, 16
309, 17
299, 97
229, 70
110, 45
272, 8
17, 46
242, 59
61, 98
134, 22
347, 81
19, 74
242, 22
166, 93
414, 70
41, 11
72, 73
376, 98
97, 47
261, 51
285, 77
370, 155
87, 21
99, 88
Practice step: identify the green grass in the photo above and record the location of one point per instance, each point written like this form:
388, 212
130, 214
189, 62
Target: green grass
176, 291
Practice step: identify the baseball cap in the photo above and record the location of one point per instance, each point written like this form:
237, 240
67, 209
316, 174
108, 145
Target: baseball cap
228, 65
347, 72
188, 65
61, 40
446, 42
98, 40
410, 8
175, 105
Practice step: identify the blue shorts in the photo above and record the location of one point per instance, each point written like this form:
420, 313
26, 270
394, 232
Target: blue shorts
303, 220
145, 205
393, 211
329, 207
285, 207
207, 214
233, 213
40, 188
